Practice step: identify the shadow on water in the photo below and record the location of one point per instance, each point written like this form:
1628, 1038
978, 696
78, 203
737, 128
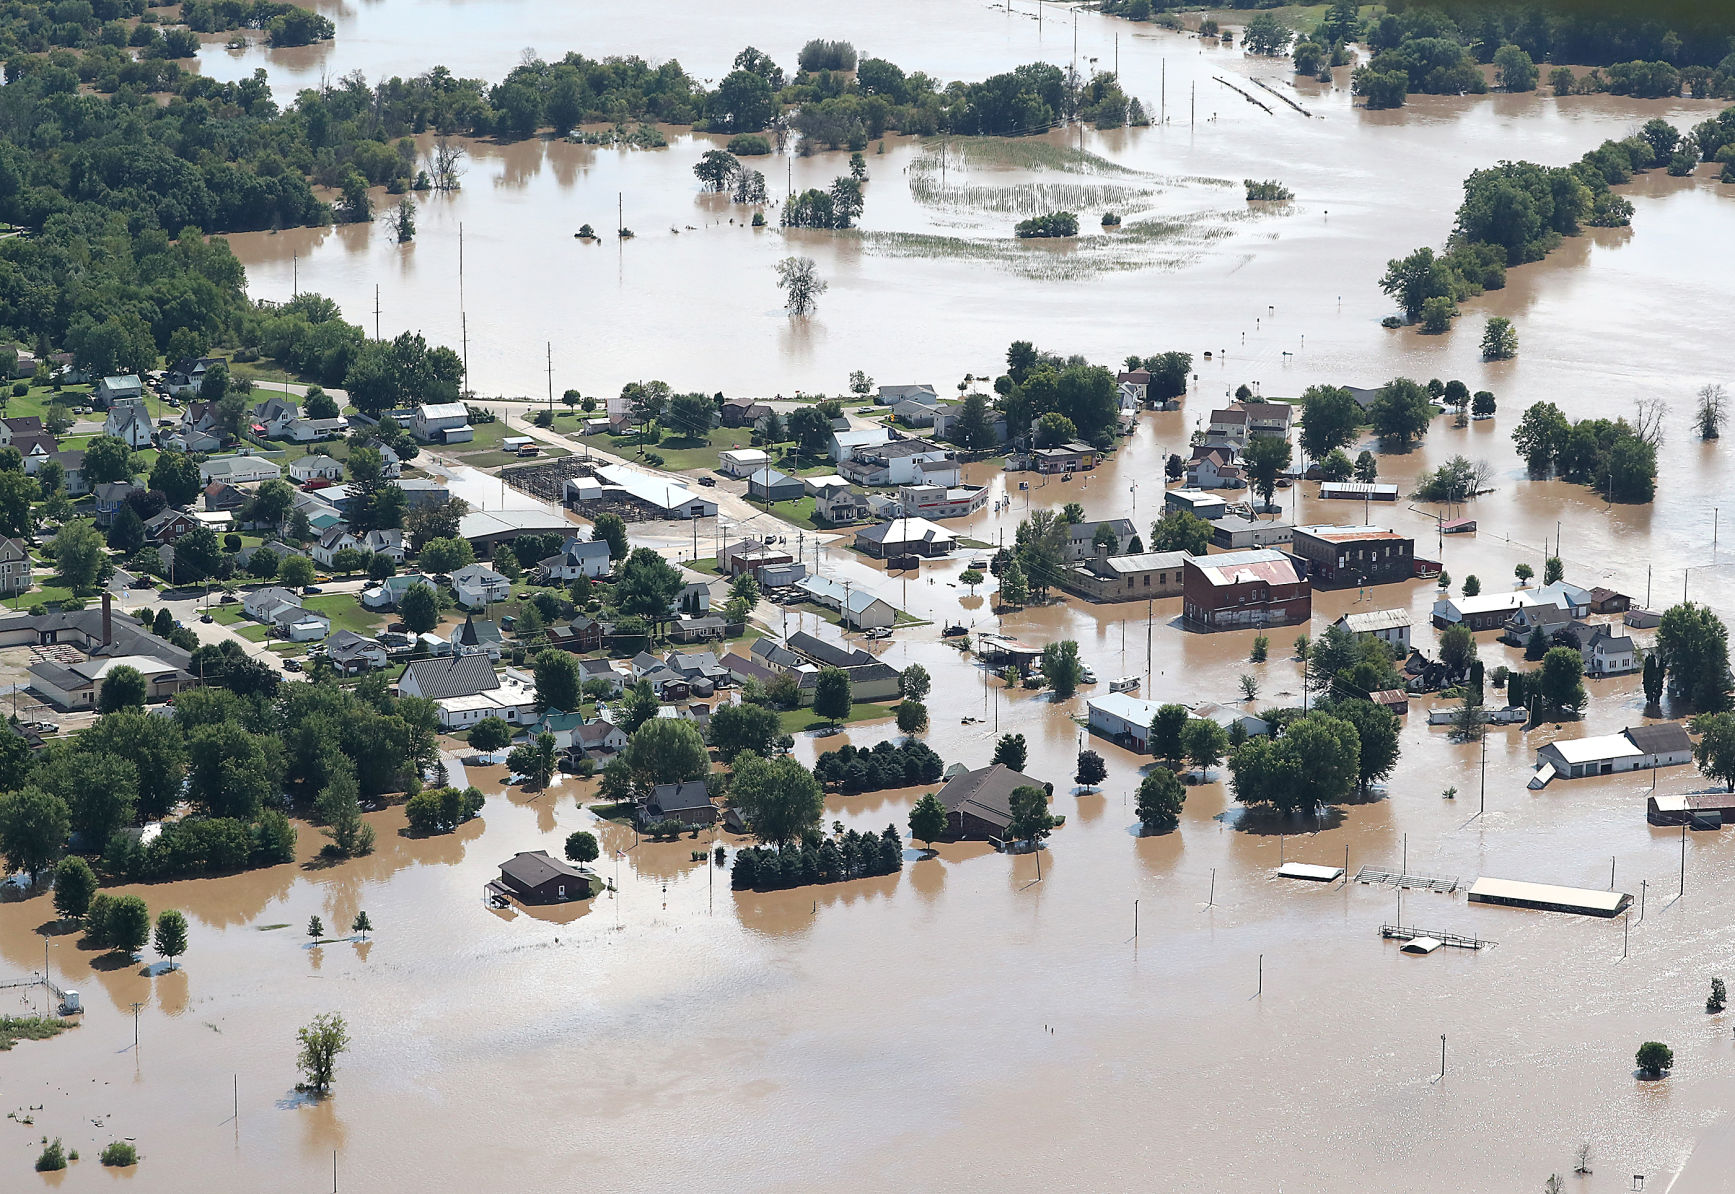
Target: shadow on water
1265, 823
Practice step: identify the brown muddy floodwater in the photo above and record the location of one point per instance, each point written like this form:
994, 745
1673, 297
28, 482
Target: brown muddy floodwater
962, 1026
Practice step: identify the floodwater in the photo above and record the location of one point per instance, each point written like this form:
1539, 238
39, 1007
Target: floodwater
963, 1025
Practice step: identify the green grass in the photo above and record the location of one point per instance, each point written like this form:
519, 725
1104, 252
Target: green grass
682, 453
707, 566
621, 813
227, 615
345, 612
794, 721
798, 512
29, 1028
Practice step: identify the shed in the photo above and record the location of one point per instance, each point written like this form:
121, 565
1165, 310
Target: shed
535, 877
1546, 897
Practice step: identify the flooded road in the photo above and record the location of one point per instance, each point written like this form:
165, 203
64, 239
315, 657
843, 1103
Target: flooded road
961, 1025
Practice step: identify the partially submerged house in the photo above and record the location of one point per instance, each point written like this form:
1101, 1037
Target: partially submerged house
1636, 748
979, 803
536, 877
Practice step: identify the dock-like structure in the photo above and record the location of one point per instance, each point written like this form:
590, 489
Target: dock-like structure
1375, 874
1412, 933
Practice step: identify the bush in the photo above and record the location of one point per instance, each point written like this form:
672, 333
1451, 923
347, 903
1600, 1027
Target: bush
120, 1154
886, 765
1654, 1057
749, 145
1059, 223
850, 855
20, 388
441, 810
52, 1159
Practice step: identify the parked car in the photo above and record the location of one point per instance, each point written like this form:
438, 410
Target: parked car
313, 589
1086, 676
707, 479
207, 618
292, 665
228, 599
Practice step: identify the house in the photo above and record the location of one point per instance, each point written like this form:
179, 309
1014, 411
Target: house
600, 669
892, 395
855, 607
185, 376
390, 591
14, 566
477, 585
1229, 718
1081, 537
943, 473
1358, 491
709, 628
124, 387
913, 414
35, 449
941, 501
1123, 718
1604, 652
660, 496
768, 485
979, 803
1607, 601
825, 654
946, 417
1637, 748
1570, 597
391, 465
1390, 626
239, 470
78, 685
1242, 589
699, 666
839, 505
1237, 532
1208, 506
1532, 617
846, 444
272, 417
338, 538
598, 739
867, 682
905, 537
1065, 459
742, 462
308, 431
201, 417
1485, 611
467, 689
218, 496
688, 803
442, 423
21, 427
1133, 387
1338, 556
535, 877
1227, 427
694, 598
109, 497
743, 412
315, 468
751, 555
1141, 577
166, 526
1267, 418
897, 463
471, 637
1214, 468
1393, 700
130, 422
72, 472
262, 604
581, 634
576, 557
350, 652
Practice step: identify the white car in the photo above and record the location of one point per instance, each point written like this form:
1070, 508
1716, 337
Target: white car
1086, 676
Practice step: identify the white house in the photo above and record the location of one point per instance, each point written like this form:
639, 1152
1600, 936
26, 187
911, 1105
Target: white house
471, 637
1390, 626
577, 557
442, 423
1229, 427
467, 689
275, 414
350, 652
315, 468
1636, 748
740, 462
1122, 717
239, 470
391, 590
307, 431
301, 625
1215, 468
892, 395
845, 444
1133, 386
131, 422
262, 605
476, 585
122, 387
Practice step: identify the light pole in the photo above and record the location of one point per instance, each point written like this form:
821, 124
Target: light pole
1442, 1055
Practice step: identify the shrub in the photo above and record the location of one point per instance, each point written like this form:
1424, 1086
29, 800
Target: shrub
885, 765
850, 855
52, 1159
120, 1154
1654, 1057
749, 145
1059, 223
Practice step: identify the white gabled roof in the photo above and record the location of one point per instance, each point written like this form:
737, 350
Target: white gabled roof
443, 410
1124, 706
1376, 619
1602, 746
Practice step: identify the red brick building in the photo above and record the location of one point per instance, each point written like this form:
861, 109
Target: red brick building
1239, 590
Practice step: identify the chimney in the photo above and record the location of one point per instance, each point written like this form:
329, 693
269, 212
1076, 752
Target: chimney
107, 619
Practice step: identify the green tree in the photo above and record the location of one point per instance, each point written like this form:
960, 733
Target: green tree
1167, 727
123, 688
973, 429
1181, 530
199, 554
1415, 279
1062, 667
1714, 752
612, 529
232, 773
128, 924
1562, 680
912, 717
928, 820
74, 885
1653, 679
1330, 416
170, 938
34, 826
1054, 429
648, 586
1011, 750
744, 727
81, 557
100, 789
832, 697
557, 681
1457, 648
1204, 742
107, 458
1265, 459
581, 846
1693, 651
177, 476
1377, 739
1091, 769
914, 683
779, 799
1499, 340
339, 807
18, 495
1266, 35
321, 1040
1654, 1058
1541, 436
534, 761
1014, 590
1401, 411
126, 533
315, 928
666, 750
1437, 315
419, 608
1514, 70
1161, 796
361, 924
446, 555
1031, 819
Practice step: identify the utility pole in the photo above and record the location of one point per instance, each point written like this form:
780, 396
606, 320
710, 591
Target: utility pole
294, 274
136, 1007
376, 310
1683, 857
1163, 95
463, 319
1150, 677
550, 344
1442, 1055
1193, 107
1483, 807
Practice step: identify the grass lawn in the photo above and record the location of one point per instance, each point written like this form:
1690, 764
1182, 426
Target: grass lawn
42, 595
798, 512
29, 1028
253, 632
227, 615
794, 721
499, 458
345, 611
680, 453
707, 565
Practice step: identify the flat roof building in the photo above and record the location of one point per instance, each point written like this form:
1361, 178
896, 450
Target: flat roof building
1546, 897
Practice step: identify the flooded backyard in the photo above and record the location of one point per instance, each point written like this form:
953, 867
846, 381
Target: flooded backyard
964, 1025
